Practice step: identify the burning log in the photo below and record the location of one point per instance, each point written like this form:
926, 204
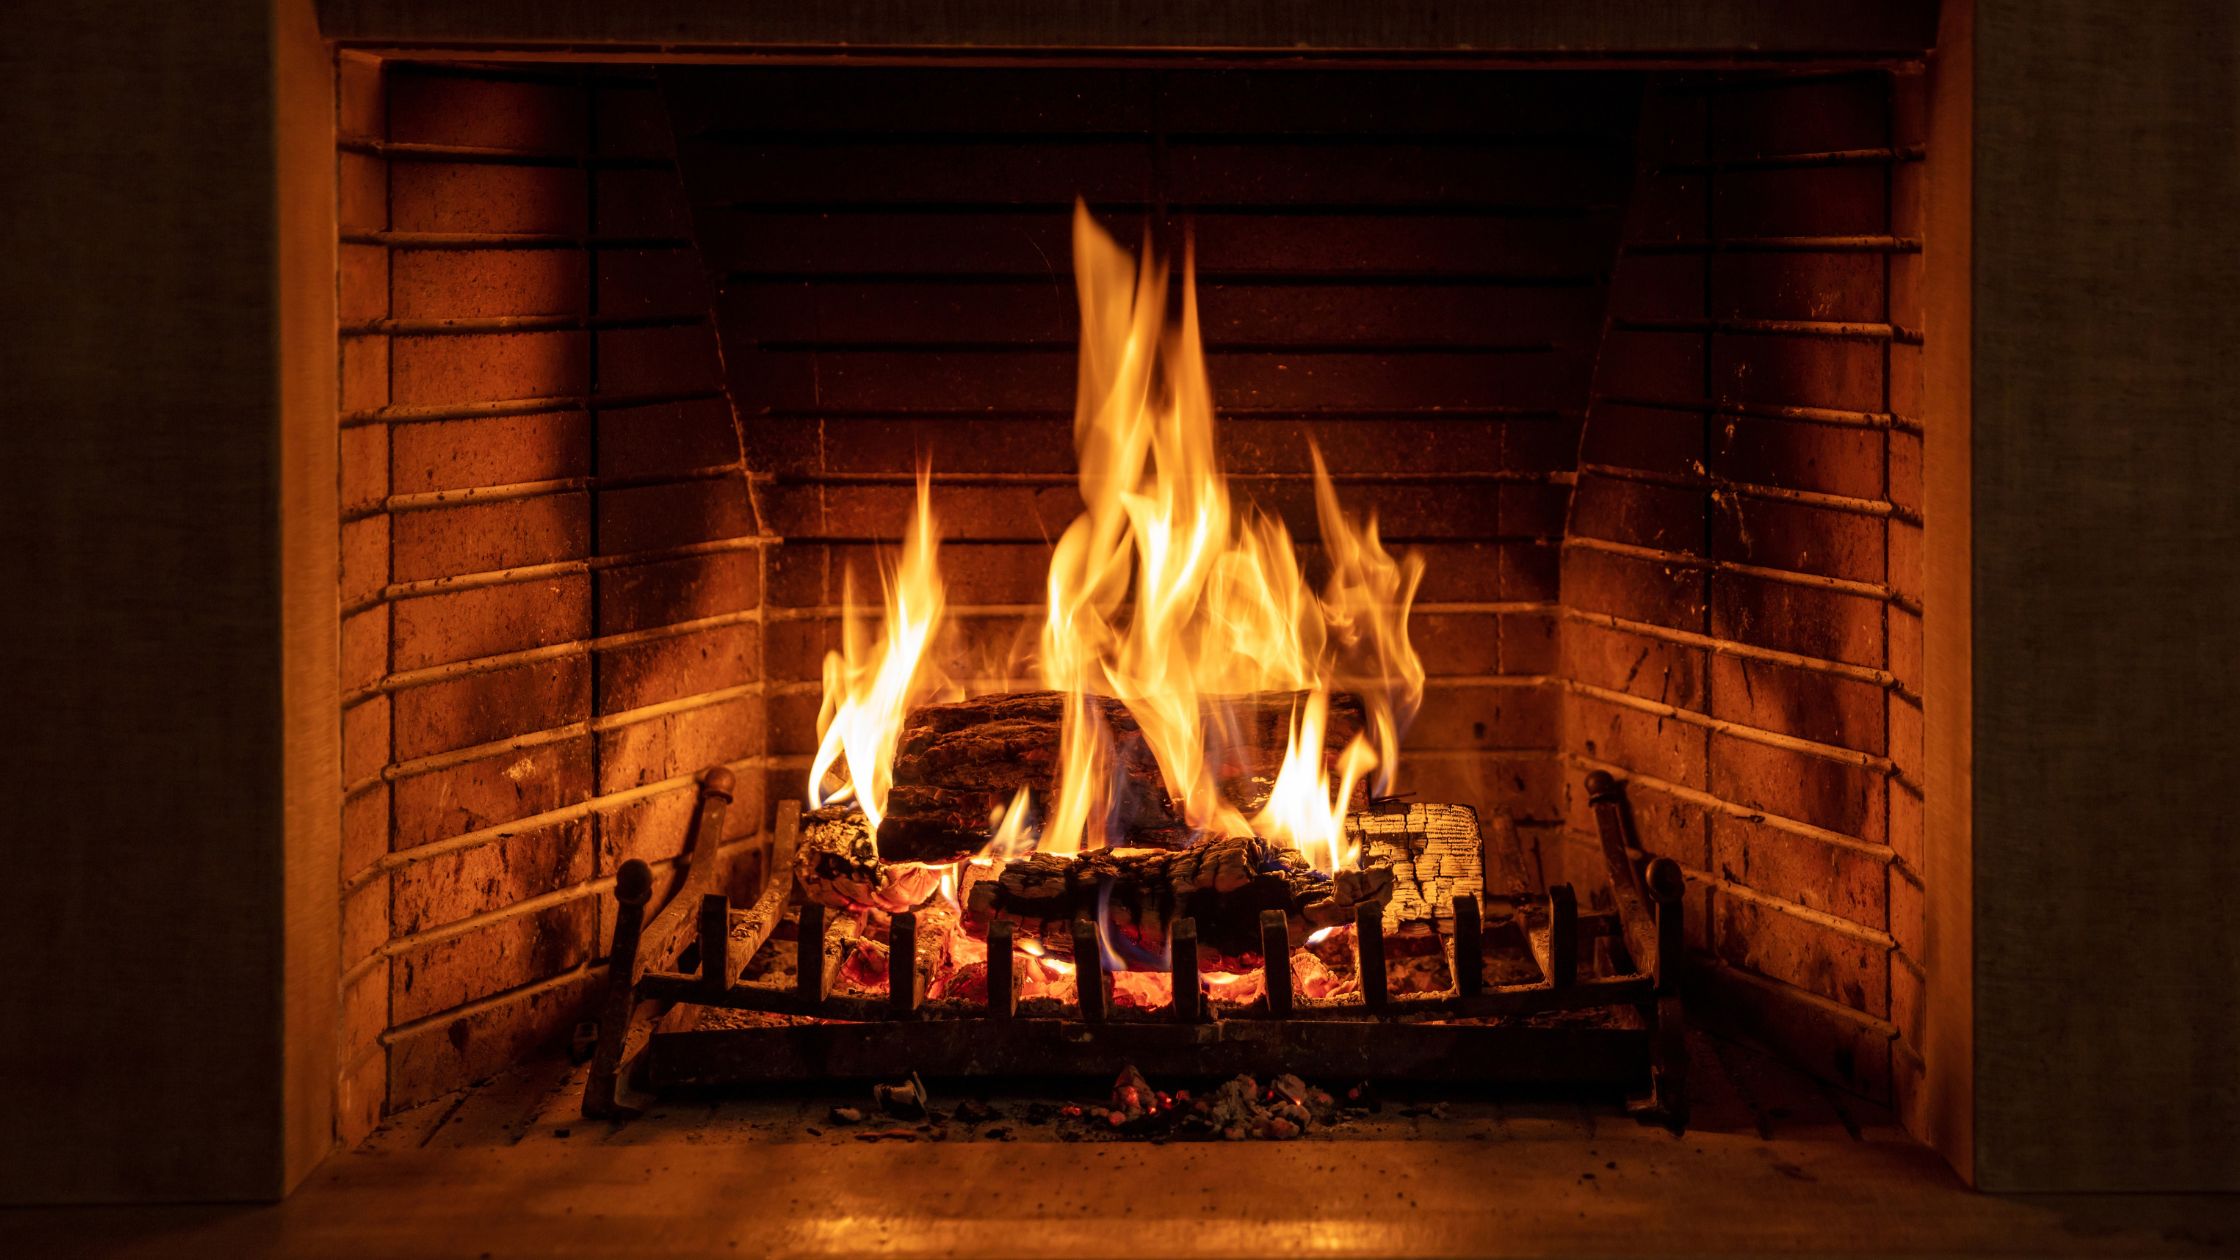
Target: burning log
1432, 852
839, 866
1222, 884
958, 764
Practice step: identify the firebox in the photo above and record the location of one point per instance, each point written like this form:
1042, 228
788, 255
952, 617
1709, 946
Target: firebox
641, 366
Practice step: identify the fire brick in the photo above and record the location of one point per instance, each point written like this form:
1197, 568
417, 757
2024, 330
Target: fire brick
486, 197
482, 367
485, 707
522, 116
1810, 956
677, 666
489, 451
1808, 787
1807, 703
490, 958
1636, 664
464, 283
491, 791
1835, 879
480, 537
449, 886
482, 621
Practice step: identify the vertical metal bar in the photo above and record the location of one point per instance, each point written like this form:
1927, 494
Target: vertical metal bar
808, 959
1368, 950
716, 970
1469, 947
633, 887
1563, 936
1275, 961
903, 989
1668, 889
1003, 991
1088, 972
1182, 971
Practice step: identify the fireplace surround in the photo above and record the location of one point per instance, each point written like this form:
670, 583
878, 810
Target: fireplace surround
629, 356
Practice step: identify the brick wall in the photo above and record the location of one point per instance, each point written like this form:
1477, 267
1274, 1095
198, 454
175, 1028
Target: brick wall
1409, 268
552, 572
1742, 573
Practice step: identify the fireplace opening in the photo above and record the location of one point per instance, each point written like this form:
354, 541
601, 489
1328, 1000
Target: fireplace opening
641, 364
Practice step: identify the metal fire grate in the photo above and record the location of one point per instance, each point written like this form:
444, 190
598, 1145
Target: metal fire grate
1620, 1026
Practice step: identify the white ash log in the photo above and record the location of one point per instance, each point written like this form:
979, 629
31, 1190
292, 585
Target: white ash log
958, 764
1432, 854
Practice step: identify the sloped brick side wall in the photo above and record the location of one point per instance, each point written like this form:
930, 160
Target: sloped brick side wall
552, 573
1742, 574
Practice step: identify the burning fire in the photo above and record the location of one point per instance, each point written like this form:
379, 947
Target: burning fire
869, 687
1164, 593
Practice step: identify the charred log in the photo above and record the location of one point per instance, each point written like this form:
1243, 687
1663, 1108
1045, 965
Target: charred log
839, 866
957, 765
1223, 885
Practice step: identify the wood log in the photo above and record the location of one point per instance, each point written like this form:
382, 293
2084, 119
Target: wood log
958, 764
838, 865
1433, 854
1223, 884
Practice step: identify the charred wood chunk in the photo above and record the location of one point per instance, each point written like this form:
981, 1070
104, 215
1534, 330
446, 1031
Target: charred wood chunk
1431, 853
1225, 885
958, 764
839, 866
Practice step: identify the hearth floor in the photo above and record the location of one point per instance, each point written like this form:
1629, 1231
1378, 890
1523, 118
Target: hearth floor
1773, 1163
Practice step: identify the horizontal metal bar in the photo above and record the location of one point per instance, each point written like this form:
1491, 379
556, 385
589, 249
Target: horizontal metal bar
1570, 1055
1494, 1002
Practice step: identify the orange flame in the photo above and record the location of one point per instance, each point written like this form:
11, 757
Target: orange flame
1168, 596
869, 688
1164, 594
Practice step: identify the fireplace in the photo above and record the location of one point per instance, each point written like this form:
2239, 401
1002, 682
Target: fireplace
1657, 360
637, 363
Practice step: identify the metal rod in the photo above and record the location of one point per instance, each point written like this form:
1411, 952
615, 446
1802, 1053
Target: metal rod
1088, 972
716, 969
1607, 798
1368, 948
1275, 961
808, 964
633, 887
903, 987
1003, 992
1668, 888
1469, 947
1563, 936
1182, 971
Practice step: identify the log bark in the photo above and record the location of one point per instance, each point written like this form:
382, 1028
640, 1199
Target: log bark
1221, 884
838, 865
958, 764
